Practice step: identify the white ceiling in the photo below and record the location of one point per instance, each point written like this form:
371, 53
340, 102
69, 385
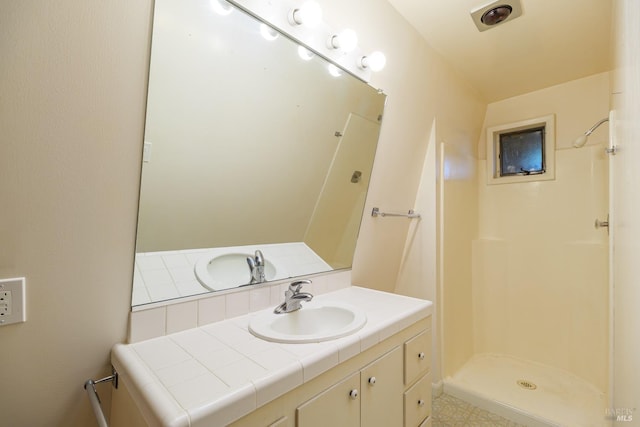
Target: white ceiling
554, 41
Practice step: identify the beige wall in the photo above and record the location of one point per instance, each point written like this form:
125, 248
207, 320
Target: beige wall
540, 275
626, 198
420, 87
71, 114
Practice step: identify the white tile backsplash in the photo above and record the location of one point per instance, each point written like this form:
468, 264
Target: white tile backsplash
173, 316
259, 298
211, 309
237, 303
182, 316
147, 324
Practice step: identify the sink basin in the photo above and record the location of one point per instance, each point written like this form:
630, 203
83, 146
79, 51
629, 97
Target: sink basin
314, 322
217, 272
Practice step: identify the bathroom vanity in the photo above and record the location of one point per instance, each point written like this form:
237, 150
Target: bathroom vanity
220, 374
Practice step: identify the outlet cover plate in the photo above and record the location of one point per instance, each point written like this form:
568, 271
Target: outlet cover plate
18, 312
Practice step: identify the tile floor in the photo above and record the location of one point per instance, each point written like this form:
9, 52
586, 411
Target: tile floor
448, 411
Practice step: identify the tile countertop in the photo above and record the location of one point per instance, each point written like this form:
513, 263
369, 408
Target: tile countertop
215, 374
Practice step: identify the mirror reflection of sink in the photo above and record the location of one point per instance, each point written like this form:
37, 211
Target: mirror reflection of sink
314, 322
223, 271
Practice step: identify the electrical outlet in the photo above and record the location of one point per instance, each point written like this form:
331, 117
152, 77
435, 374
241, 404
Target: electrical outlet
5, 304
12, 301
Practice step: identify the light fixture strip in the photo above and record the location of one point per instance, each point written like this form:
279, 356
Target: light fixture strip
277, 13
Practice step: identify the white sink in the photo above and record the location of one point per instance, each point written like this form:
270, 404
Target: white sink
314, 322
224, 271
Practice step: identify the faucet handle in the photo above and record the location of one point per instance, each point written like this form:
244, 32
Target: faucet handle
259, 258
295, 286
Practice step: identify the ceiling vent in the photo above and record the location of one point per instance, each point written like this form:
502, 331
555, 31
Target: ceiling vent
497, 12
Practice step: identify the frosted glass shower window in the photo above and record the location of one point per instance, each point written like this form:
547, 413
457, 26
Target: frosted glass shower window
522, 152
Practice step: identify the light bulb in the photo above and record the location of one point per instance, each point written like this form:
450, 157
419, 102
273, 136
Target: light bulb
221, 7
334, 71
375, 61
309, 14
267, 32
346, 40
305, 53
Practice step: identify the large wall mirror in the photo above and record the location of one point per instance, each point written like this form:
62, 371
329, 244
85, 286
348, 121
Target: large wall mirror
257, 157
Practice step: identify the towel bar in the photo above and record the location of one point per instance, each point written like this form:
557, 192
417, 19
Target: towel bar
411, 214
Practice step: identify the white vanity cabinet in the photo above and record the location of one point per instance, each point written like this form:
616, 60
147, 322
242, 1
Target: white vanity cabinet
378, 376
389, 385
371, 397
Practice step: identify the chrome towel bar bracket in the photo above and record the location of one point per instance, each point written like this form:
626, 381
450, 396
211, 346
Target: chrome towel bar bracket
411, 214
94, 399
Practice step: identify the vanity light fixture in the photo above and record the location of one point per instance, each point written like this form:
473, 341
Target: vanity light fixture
303, 21
334, 71
346, 40
221, 7
375, 61
305, 53
268, 33
309, 14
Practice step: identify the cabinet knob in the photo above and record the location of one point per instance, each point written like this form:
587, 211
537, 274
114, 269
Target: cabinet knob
372, 380
421, 355
421, 402
353, 394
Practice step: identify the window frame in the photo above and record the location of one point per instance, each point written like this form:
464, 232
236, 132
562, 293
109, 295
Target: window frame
548, 150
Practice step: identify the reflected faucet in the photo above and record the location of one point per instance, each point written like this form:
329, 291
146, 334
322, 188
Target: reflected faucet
293, 297
256, 268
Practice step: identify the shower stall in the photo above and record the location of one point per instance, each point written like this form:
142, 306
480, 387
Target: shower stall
524, 292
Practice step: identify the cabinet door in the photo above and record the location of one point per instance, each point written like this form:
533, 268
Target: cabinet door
382, 391
337, 406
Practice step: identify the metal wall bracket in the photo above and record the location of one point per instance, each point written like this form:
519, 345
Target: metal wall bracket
90, 387
602, 224
612, 150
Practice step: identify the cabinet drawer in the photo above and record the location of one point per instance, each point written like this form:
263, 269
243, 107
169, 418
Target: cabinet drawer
417, 356
417, 402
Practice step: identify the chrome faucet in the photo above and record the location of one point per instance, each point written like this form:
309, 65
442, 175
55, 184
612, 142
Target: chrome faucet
256, 267
293, 297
